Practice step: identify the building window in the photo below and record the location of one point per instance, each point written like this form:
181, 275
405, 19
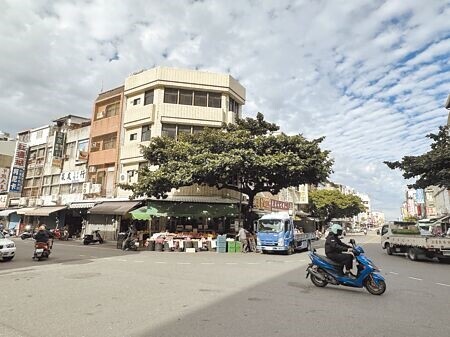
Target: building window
214, 100
170, 95
146, 133
133, 136
186, 97
233, 106
169, 130
47, 180
64, 189
197, 129
109, 142
148, 97
184, 129
137, 101
70, 149
41, 153
55, 179
112, 109
200, 98
54, 190
46, 190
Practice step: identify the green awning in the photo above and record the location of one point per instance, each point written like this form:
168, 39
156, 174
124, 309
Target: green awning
146, 212
184, 209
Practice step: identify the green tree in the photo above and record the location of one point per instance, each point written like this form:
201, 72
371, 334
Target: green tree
329, 204
246, 157
430, 168
410, 218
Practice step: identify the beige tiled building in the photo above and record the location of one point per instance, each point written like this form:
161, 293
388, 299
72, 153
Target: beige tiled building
169, 101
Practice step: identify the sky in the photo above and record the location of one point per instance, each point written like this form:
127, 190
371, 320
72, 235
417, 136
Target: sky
370, 76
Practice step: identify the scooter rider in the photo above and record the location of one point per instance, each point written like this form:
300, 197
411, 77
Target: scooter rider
131, 234
334, 248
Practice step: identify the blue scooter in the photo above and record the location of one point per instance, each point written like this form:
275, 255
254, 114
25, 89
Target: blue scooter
323, 271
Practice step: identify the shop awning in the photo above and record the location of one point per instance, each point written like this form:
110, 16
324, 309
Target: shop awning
78, 205
114, 207
184, 209
44, 211
23, 211
7, 212
146, 212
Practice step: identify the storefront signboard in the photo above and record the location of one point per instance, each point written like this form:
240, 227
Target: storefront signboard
4, 176
3, 200
72, 177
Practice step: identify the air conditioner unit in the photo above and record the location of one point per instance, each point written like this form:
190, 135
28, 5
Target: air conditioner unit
32, 202
86, 188
92, 169
23, 201
55, 197
123, 178
96, 188
39, 202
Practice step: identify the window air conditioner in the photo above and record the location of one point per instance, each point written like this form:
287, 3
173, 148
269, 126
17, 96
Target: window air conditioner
123, 178
55, 197
86, 188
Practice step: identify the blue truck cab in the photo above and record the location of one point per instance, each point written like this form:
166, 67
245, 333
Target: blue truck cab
276, 232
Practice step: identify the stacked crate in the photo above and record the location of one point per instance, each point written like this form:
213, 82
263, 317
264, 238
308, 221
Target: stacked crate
231, 246
221, 243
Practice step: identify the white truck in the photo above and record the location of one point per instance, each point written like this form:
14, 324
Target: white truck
406, 237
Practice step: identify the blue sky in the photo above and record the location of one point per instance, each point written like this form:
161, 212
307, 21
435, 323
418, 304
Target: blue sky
371, 76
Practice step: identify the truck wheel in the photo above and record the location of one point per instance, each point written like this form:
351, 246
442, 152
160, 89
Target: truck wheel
388, 249
290, 250
412, 254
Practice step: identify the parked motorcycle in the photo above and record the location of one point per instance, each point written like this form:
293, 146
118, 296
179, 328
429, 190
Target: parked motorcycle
93, 238
322, 271
26, 235
41, 251
61, 234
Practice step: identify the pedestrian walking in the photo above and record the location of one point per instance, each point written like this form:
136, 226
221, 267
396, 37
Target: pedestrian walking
242, 234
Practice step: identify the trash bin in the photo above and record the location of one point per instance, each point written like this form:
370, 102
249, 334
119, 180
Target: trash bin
120, 239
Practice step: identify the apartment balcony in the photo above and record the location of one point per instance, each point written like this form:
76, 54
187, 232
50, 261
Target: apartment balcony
102, 157
178, 113
105, 126
139, 115
131, 152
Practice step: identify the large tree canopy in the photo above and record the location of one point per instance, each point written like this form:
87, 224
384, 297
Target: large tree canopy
431, 168
246, 157
329, 204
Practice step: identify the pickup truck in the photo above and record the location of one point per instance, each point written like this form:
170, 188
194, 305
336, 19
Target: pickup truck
405, 237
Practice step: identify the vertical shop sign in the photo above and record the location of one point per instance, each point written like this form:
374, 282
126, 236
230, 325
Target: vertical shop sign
18, 168
303, 189
58, 148
4, 176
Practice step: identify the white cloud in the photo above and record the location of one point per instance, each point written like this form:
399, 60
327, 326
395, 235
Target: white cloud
371, 76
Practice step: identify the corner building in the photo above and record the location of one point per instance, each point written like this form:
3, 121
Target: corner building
168, 101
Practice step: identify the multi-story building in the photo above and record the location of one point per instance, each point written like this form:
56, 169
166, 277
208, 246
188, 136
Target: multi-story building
7, 150
104, 144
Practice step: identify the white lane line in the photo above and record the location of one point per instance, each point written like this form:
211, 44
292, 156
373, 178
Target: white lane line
230, 263
121, 260
82, 255
139, 261
415, 278
207, 263
391, 272
160, 262
443, 284
183, 263
253, 263
93, 257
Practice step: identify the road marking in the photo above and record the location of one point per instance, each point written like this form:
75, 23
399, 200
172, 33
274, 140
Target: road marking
94, 257
415, 278
253, 263
207, 263
183, 263
231, 263
391, 272
82, 255
160, 262
139, 261
443, 284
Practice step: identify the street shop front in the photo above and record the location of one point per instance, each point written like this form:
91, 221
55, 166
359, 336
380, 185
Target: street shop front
180, 225
51, 216
110, 217
10, 219
76, 217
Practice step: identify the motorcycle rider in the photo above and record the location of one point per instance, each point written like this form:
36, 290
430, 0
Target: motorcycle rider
131, 234
334, 248
43, 235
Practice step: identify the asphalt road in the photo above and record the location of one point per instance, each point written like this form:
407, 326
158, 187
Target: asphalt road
210, 294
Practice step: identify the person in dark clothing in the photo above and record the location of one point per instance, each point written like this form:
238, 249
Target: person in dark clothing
42, 235
334, 248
